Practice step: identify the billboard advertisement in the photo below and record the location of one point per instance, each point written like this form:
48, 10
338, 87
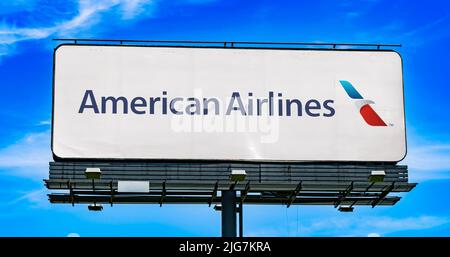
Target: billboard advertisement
206, 103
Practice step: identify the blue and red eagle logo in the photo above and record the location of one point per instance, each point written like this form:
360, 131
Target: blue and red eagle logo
367, 112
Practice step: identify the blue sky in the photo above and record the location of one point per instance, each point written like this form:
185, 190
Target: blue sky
26, 30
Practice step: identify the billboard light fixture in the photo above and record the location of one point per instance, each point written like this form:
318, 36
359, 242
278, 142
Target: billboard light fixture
377, 176
93, 173
345, 208
218, 207
95, 207
237, 175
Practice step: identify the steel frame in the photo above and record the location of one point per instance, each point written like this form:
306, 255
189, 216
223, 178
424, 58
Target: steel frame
198, 183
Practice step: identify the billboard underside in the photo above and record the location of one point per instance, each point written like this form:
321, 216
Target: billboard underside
180, 103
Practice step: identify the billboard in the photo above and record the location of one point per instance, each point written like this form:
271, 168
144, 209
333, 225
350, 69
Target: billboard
206, 103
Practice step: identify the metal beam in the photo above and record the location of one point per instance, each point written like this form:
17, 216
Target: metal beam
229, 213
202, 185
71, 192
241, 217
344, 194
214, 193
245, 192
163, 193
191, 182
112, 192
233, 186
294, 194
251, 199
383, 195
199, 172
332, 45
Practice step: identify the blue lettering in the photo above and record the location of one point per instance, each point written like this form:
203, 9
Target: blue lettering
88, 95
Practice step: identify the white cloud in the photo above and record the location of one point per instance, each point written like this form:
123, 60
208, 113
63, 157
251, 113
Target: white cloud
427, 26
425, 33
44, 123
360, 226
73, 235
132, 8
373, 235
90, 19
429, 157
36, 199
89, 13
428, 160
409, 223
27, 157
357, 226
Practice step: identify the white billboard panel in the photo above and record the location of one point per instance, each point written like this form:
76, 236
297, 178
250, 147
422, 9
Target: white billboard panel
134, 102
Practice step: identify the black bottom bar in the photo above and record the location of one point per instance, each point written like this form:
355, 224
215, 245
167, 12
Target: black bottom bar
224, 246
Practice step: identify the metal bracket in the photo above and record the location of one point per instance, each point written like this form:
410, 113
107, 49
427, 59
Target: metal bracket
383, 194
232, 186
163, 193
72, 198
370, 186
214, 194
328, 45
294, 194
112, 192
344, 195
245, 192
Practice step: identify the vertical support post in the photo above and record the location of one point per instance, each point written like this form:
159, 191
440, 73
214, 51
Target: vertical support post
228, 213
241, 217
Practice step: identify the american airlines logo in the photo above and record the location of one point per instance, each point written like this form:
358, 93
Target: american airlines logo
367, 112
275, 104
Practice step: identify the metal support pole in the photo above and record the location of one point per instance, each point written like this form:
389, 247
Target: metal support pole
241, 217
229, 213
